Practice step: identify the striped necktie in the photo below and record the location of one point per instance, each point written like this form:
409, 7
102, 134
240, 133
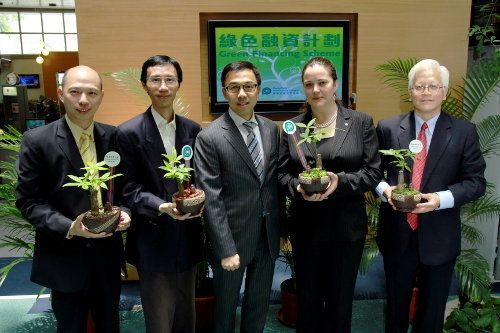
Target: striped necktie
418, 171
85, 149
253, 148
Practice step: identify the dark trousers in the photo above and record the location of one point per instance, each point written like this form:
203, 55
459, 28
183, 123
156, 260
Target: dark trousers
168, 301
258, 281
326, 276
434, 285
100, 296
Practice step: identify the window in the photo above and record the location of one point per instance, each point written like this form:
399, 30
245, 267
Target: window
21, 32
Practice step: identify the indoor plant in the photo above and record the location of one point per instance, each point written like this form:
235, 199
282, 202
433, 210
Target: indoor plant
189, 199
99, 218
287, 314
475, 317
404, 197
313, 179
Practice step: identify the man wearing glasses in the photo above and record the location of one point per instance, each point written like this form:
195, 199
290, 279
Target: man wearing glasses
163, 248
236, 165
422, 246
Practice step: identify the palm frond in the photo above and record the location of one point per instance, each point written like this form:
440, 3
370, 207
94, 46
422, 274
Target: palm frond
485, 207
10, 139
395, 73
471, 234
488, 130
369, 255
5, 270
471, 270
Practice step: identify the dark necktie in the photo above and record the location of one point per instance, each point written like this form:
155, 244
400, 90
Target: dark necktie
418, 171
253, 147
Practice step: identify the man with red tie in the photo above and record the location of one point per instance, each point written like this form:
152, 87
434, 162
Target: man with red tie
449, 171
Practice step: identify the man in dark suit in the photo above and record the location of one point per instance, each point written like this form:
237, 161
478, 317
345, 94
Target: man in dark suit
424, 244
165, 248
81, 268
236, 165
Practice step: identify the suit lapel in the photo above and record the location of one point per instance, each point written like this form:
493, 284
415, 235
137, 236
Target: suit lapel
440, 139
67, 144
343, 126
233, 136
101, 141
405, 136
265, 135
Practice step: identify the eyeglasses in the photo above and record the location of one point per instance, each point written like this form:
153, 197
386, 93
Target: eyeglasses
156, 81
432, 88
247, 87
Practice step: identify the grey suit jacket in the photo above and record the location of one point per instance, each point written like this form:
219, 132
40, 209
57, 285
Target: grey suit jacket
237, 203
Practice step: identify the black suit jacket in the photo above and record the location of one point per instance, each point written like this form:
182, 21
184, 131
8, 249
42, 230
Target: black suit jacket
455, 163
48, 155
155, 243
353, 156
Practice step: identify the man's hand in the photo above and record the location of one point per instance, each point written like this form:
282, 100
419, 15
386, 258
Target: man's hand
231, 263
431, 204
169, 208
334, 182
78, 229
124, 222
388, 193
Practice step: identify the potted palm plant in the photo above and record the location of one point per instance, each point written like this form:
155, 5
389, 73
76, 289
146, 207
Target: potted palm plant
287, 314
404, 197
99, 218
313, 179
187, 199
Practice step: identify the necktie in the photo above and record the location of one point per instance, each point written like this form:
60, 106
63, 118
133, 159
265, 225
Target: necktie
85, 150
418, 171
253, 147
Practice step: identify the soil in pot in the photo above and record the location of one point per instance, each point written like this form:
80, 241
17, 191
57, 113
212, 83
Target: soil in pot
191, 201
314, 181
106, 221
405, 199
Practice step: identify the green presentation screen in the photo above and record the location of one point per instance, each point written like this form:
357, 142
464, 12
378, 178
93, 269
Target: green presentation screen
279, 49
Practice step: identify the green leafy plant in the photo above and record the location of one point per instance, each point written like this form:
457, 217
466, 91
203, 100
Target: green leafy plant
312, 135
485, 17
175, 169
400, 160
464, 102
472, 318
20, 234
93, 182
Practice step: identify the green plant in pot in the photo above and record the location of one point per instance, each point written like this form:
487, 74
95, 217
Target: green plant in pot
404, 197
483, 317
313, 179
288, 312
187, 199
99, 218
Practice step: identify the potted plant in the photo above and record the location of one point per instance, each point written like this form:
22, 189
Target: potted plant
404, 197
287, 314
188, 199
313, 179
99, 218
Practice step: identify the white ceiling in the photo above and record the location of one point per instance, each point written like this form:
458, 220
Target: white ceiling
54, 4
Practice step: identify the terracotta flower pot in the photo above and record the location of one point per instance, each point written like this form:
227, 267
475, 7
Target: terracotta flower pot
313, 185
103, 222
190, 204
405, 202
287, 315
205, 305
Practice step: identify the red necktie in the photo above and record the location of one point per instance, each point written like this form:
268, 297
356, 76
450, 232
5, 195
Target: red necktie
418, 171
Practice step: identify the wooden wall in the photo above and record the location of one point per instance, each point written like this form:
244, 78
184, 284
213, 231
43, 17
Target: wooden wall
119, 34
56, 62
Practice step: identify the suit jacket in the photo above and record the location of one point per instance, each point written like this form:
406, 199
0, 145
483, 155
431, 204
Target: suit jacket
48, 155
352, 154
155, 242
454, 162
237, 203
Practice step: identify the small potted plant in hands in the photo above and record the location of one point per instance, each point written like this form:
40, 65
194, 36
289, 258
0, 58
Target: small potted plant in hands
313, 179
404, 197
188, 199
99, 218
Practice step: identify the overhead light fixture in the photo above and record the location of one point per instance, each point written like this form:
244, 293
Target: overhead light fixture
39, 59
44, 51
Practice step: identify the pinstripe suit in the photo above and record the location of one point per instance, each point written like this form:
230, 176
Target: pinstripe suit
328, 236
242, 217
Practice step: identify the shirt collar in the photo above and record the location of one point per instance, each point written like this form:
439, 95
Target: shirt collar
431, 123
239, 120
77, 130
160, 121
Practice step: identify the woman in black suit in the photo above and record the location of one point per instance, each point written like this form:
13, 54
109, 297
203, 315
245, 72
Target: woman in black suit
328, 230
